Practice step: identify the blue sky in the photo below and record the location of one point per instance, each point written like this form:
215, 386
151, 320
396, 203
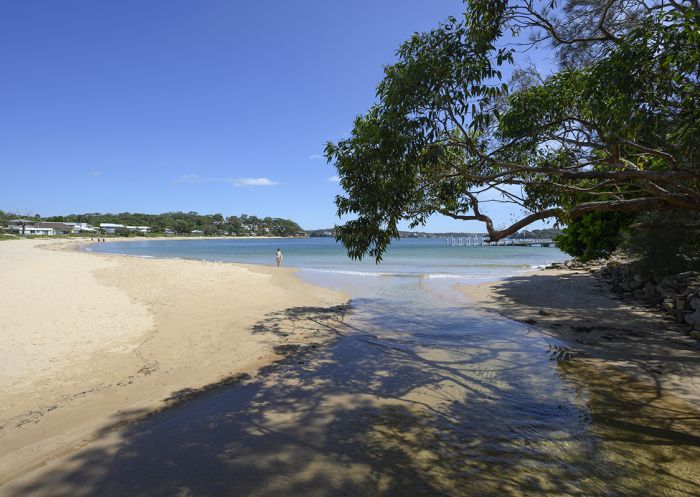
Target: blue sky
210, 106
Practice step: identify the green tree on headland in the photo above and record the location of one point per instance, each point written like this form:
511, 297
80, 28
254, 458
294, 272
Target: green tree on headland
184, 223
614, 130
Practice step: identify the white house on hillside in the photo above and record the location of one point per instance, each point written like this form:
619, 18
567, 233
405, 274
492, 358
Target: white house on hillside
19, 225
58, 228
82, 227
140, 229
29, 227
111, 228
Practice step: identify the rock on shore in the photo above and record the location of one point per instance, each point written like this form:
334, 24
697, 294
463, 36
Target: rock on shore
677, 295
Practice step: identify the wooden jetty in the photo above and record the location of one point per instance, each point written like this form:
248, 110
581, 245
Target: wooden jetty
480, 241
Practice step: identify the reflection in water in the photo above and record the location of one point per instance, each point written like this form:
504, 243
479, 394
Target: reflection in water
419, 396
651, 440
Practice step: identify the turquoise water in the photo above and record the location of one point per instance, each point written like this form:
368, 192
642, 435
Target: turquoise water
428, 258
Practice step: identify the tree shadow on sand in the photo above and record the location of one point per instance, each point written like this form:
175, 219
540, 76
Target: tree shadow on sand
479, 413
581, 309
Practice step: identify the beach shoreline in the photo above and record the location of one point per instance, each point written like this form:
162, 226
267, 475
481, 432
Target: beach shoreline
603, 329
171, 359
132, 336
91, 340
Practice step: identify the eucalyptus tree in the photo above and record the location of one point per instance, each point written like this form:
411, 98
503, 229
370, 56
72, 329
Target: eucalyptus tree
613, 129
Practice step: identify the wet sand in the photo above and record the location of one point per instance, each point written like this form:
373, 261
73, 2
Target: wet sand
580, 308
88, 339
637, 368
420, 395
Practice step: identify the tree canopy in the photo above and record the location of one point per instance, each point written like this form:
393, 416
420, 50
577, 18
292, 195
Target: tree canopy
184, 223
613, 129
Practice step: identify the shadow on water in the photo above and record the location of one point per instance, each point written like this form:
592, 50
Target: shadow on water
412, 399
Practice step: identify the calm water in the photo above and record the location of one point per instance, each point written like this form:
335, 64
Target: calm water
419, 395
430, 258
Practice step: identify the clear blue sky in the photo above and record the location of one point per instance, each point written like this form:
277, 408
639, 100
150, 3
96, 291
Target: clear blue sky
210, 106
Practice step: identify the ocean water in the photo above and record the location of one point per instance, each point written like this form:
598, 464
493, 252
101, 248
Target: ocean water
425, 258
420, 394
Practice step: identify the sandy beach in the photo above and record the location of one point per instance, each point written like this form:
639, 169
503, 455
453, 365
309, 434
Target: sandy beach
111, 368
90, 341
598, 326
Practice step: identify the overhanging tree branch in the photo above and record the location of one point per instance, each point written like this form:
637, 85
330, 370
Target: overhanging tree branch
615, 129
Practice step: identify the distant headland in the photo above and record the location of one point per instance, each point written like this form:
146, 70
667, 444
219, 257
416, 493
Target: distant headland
191, 223
136, 224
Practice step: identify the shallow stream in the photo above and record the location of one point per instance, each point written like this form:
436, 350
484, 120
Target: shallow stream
418, 394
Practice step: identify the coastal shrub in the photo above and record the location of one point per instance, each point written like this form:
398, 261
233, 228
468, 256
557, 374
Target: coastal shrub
594, 235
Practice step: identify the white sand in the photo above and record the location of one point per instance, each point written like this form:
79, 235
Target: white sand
89, 340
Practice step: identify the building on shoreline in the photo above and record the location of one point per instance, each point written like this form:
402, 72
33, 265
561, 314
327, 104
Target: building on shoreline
111, 228
41, 228
82, 227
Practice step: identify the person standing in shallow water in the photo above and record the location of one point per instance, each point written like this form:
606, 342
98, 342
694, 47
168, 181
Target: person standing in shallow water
278, 257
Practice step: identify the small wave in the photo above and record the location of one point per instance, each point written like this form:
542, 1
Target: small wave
428, 275
342, 271
386, 274
375, 273
491, 265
